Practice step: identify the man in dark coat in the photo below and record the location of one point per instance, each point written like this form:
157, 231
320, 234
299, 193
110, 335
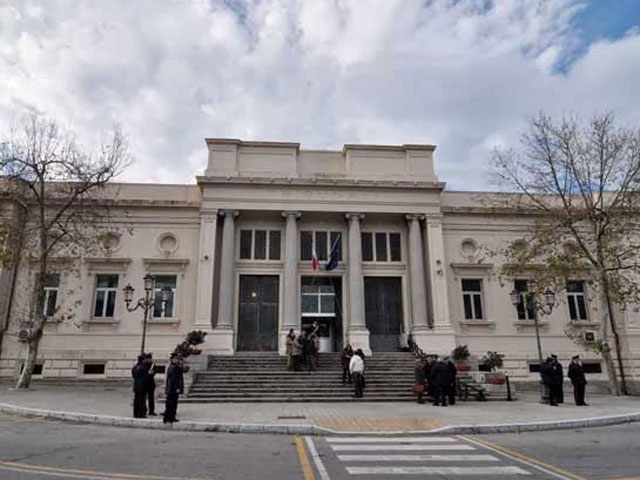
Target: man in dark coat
151, 384
441, 378
139, 374
347, 353
419, 378
174, 387
308, 351
428, 365
578, 380
555, 377
453, 372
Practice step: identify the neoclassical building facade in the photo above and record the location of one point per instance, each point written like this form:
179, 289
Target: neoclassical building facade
245, 253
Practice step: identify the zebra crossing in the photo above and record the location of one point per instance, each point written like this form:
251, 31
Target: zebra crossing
448, 457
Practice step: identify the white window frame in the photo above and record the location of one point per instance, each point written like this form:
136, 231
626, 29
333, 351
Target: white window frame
47, 294
572, 297
523, 299
387, 235
319, 296
97, 289
158, 290
472, 294
253, 258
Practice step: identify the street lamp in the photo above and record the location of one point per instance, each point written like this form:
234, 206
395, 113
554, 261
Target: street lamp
146, 303
532, 303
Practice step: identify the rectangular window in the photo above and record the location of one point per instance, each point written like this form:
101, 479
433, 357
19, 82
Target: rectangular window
104, 303
394, 247
577, 301
161, 282
318, 298
524, 313
245, 244
274, 245
51, 284
93, 369
472, 299
260, 238
37, 368
367, 247
337, 236
306, 243
321, 245
381, 247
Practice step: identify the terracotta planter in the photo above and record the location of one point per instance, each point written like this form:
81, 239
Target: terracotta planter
496, 380
196, 351
185, 368
463, 367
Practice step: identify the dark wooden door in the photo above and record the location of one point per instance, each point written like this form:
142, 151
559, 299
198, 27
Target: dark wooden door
383, 312
258, 313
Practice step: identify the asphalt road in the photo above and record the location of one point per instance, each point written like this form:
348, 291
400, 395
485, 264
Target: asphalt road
33, 449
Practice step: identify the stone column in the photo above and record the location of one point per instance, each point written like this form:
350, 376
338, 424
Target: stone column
206, 256
223, 333
358, 332
417, 276
442, 340
290, 281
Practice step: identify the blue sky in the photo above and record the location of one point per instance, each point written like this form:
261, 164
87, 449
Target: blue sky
461, 74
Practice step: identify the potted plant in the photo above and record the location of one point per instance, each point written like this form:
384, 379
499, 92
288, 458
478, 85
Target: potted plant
195, 337
460, 355
494, 361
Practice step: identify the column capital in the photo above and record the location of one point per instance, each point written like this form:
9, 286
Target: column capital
229, 213
354, 215
291, 213
415, 217
209, 214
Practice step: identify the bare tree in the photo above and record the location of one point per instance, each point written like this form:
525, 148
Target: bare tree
59, 188
581, 183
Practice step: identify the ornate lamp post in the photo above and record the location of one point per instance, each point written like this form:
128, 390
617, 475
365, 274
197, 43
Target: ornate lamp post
146, 303
532, 302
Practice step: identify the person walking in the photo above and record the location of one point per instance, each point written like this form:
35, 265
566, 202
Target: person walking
578, 380
356, 367
419, 378
174, 387
347, 353
151, 384
139, 374
453, 372
290, 340
440, 376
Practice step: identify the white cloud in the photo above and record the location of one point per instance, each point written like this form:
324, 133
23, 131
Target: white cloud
461, 74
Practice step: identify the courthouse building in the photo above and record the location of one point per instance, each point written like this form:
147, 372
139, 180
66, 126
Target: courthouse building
237, 251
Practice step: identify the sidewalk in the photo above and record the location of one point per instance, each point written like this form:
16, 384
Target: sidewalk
113, 406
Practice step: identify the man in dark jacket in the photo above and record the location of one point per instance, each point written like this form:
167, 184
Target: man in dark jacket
308, 351
555, 381
576, 375
441, 378
453, 372
151, 384
174, 387
139, 374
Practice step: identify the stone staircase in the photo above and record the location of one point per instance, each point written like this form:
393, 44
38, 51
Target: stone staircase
263, 377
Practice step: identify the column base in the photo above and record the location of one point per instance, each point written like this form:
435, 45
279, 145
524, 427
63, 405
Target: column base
220, 342
359, 339
435, 341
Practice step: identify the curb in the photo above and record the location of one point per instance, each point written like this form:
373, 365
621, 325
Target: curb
232, 427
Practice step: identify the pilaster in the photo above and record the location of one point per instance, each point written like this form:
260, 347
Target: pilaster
357, 331
206, 261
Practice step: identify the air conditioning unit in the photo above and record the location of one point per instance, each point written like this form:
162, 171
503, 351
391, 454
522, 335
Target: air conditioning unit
589, 336
24, 334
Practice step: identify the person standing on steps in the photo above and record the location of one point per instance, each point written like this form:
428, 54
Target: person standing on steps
315, 343
139, 374
419, 378
578, 380
174, 387
453, 372
297, 352
356, 367
151, 384
291, 338
347, 353
308, 352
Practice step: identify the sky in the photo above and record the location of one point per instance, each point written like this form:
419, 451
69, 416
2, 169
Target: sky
461, 74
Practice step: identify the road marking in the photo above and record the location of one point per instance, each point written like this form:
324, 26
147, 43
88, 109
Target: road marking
396, 448
390, 440
304, 460
510, 470
316, 459
522, 458
84, 474
418, 458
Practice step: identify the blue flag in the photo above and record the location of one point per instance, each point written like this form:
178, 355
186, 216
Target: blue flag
334, 255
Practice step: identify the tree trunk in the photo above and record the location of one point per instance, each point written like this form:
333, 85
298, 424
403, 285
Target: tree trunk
604, 334
616, 339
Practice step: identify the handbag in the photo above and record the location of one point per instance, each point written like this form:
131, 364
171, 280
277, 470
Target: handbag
418, 388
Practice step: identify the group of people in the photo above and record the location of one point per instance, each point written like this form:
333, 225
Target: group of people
303, 349
144, 387
553, 378
437, 377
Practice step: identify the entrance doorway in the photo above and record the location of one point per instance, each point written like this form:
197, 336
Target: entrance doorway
321, 301
258, 313
383, 312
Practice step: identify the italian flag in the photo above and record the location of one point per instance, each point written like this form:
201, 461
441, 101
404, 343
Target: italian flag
314, 256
